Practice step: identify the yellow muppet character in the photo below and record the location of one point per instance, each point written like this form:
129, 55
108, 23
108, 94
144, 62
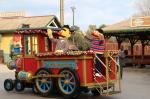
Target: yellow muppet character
62, 44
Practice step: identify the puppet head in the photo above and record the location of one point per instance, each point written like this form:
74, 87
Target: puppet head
65, 32
95, 34
98, 34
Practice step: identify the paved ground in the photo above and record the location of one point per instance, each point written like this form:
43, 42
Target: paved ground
135, 85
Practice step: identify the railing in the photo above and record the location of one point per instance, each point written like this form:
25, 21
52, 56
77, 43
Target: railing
109, 55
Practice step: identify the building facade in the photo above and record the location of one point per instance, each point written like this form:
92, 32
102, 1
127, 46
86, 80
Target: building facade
10, 22
134, 36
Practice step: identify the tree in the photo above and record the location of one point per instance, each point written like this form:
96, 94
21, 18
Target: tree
91, 28
143, 7
102, 26
78, 39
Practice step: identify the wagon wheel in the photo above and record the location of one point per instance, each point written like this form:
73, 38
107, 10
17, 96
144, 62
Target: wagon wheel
69, 84
8, 85
19, 86
43, 85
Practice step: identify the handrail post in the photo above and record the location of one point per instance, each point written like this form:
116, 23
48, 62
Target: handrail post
107, 71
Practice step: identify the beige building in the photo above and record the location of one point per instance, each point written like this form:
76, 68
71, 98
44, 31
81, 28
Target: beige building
10, 22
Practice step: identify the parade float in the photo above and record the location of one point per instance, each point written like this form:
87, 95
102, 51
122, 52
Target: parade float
43, 69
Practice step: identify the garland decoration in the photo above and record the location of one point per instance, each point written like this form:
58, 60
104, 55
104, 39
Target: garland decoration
68, 53
33, 31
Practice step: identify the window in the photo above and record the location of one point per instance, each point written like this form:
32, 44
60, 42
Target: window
28, 45
48, 44
34, 44
31, 44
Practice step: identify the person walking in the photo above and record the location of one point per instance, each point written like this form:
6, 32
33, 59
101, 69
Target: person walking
121, 60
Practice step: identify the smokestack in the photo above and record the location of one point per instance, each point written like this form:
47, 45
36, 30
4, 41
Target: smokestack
62, 12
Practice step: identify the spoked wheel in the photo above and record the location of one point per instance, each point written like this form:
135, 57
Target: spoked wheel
43, 84
8, 85
69, 84
19, 86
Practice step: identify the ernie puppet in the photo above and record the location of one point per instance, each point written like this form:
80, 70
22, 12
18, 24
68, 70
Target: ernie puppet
98, 46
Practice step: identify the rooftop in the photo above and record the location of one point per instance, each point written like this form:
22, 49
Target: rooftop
15, 22
130, 25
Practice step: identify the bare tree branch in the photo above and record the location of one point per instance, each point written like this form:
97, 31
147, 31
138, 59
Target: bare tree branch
143, 7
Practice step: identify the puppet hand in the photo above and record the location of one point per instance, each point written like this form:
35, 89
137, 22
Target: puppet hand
49, 33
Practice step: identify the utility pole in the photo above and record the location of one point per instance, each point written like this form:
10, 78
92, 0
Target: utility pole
73, 13
62, 12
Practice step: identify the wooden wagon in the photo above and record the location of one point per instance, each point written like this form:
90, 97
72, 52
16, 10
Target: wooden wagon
40, 67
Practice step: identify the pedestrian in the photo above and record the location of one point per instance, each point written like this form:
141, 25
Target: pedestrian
122, 55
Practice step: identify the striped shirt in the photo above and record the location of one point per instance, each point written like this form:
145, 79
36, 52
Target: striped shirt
98, 46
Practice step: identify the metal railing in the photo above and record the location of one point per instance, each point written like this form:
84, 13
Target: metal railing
109, 55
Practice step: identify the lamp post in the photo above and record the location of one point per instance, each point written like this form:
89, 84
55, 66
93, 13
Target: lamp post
73, 11
62, 12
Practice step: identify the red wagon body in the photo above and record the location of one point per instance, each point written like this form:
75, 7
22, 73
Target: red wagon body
38, 66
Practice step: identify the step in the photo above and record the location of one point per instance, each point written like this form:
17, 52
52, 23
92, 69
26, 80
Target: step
110, 93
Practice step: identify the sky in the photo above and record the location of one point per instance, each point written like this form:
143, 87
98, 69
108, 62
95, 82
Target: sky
87, 12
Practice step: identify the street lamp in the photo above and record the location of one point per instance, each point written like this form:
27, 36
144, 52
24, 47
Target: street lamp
73, 11
62, 12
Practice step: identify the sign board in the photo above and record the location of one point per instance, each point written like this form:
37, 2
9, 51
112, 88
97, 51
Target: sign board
59, 64
140, 21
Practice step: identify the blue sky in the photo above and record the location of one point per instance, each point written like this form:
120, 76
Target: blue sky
87, 11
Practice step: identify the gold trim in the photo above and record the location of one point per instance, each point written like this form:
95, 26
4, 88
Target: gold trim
107, 72
62, 58
94, 85
53, 76
84, 71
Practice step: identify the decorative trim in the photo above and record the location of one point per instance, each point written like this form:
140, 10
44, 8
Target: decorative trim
62, 58
94, 85
84, 71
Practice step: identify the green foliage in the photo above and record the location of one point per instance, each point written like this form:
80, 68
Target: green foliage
91, 28
78, 39
102, 26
